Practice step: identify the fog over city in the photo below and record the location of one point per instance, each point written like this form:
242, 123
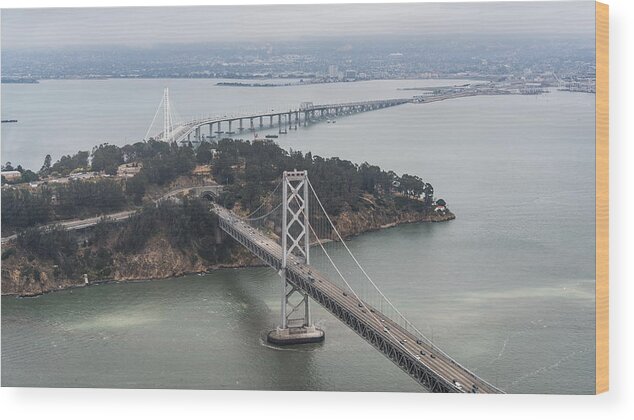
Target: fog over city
143, 26
308, 42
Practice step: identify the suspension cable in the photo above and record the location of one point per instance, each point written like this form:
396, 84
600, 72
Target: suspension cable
420, 334
373, 315
263, 202
153, 119
261, 217
363, 270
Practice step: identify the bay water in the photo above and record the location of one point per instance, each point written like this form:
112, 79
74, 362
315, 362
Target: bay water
507, 288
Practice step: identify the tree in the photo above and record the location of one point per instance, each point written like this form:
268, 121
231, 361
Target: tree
29, 176
67, 164
203, 154
412, 185
106, 157
7, 167
46, 167
135, 187
21, 208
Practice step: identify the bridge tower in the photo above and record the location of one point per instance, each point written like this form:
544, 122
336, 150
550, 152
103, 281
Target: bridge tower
167, 116
296, 326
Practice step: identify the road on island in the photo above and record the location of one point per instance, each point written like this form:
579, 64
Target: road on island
78, 224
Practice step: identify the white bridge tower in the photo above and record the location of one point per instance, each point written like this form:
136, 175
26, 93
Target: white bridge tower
168, 123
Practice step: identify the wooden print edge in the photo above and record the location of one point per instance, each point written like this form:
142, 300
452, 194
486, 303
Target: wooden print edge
602, 197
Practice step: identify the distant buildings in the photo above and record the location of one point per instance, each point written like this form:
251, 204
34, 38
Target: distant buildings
333, 71
351, 74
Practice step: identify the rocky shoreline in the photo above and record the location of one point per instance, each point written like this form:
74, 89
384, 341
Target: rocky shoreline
160, 259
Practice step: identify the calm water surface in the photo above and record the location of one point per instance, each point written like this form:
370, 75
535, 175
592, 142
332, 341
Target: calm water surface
507, 288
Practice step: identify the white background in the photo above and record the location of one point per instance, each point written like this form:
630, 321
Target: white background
161, 404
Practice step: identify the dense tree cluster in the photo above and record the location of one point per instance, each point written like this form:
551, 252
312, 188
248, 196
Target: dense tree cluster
413, 186
164, 167
22, 208
67, 164
59, 248
189, 225
88, 198
55, 244
106, 158
249, 169
161, 164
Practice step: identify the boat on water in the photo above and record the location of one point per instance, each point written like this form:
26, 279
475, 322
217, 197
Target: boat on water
9, 121
271, 136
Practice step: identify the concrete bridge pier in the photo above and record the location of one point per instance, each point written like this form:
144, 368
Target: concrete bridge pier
229, 126
252, 128
219, 129
211, 130
279, 123
296, 335
241, 128
261, 125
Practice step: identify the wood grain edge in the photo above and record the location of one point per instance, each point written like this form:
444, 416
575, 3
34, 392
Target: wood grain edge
602, 198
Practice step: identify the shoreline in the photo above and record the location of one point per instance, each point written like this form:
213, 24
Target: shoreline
69, 285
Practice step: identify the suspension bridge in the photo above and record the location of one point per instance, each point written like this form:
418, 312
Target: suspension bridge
200, 129
281, 233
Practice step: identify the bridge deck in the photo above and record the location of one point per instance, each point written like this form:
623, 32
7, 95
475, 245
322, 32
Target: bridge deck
182, 131
438, 373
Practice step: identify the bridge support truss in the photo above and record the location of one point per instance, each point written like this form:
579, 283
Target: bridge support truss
296, 326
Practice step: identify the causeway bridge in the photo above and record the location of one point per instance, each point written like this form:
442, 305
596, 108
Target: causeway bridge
396, 339
200, 129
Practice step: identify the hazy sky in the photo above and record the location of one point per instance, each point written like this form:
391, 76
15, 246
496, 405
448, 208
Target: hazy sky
28, 28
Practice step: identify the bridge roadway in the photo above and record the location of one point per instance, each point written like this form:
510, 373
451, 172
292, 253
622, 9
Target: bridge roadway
437, 373
183, 132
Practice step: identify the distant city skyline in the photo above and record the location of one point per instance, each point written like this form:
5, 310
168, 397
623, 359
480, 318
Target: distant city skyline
148, 26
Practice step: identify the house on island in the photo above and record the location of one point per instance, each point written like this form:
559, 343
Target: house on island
202, 170
11, 176
128, 170
440, 206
